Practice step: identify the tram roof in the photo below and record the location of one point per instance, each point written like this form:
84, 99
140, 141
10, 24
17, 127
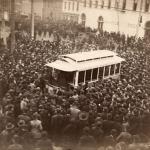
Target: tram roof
85, 65
85, 56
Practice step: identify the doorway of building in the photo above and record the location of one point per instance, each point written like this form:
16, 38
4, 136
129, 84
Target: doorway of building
83, 19
147, 29
100, 23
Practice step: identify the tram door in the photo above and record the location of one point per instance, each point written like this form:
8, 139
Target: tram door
101, 71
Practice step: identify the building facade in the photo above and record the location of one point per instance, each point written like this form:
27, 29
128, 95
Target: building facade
71, 10
52, 9
130, 17
26, 8
22, 7
5, 8
22, 10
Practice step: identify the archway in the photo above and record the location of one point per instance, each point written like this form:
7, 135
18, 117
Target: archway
83, 19
147, 29
100, 23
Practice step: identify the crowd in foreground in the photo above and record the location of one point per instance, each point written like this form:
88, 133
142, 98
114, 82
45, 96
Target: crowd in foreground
112, 114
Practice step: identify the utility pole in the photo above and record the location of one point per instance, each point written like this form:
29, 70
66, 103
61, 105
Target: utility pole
12, 25
139, 19
32, 19
117, 7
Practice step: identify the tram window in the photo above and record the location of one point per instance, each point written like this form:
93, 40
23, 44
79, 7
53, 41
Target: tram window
62, 77
81, 76
88, 75
106, 70
69, 77
101, 69
112, 69
94, 74
117, 68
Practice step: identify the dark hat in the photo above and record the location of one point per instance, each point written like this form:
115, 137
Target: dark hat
83, 116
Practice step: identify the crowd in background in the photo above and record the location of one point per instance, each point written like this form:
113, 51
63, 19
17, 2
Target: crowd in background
111, 114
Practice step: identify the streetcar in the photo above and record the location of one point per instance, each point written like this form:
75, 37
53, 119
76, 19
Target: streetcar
84, 67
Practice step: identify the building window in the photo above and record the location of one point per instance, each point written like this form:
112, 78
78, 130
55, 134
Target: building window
73, 5
96, 4
100, 23
77, 6
84, 3
69, 6
147, 3
135, 5
90, 5
51, 14
124, 5
83, 19
147, 29
141, 18
102, 5
117, 4
109, 4
65, 5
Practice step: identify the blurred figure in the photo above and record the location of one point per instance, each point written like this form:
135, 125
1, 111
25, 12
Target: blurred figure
44, 143
15, 144
86, 141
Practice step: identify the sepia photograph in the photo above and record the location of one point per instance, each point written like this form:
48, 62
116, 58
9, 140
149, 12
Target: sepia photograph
74, 74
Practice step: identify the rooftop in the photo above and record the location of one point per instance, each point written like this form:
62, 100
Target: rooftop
85, 56
70, 61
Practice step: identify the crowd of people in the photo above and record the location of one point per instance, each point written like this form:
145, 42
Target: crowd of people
111, 114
